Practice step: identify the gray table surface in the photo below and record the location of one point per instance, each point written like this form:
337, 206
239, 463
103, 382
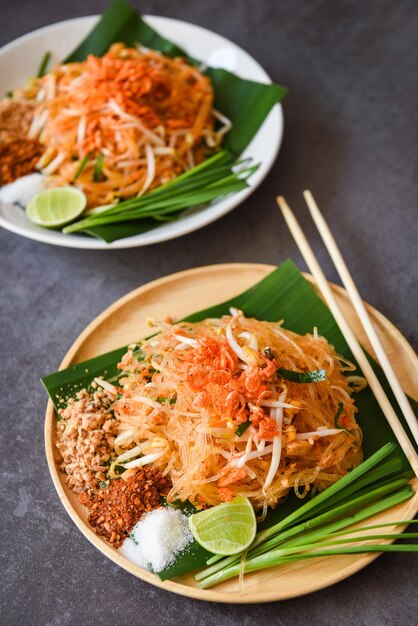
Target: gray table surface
349, 136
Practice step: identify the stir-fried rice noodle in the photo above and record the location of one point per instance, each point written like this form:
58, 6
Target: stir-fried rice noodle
188, 389
147, 117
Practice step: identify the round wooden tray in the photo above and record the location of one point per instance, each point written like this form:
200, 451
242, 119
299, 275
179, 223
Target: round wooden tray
179, 295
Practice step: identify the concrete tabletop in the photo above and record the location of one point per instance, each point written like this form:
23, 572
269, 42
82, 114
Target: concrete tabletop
350, 136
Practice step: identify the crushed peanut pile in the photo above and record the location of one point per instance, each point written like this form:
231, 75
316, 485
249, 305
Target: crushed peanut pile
19, 155
85, 437
116, 509
18, 158
15, 119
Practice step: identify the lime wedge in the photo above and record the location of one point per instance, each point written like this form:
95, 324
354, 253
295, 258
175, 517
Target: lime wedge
228, 528
54, 208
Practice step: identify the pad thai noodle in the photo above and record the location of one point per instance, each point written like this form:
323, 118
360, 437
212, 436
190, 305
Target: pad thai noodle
121, 124
235, 406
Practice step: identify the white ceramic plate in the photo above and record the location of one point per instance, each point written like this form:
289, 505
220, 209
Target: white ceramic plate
21, 58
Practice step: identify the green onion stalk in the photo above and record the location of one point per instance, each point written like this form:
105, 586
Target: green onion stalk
216, 177
316, 528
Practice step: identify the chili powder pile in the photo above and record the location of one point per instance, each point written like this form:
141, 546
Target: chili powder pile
115, 510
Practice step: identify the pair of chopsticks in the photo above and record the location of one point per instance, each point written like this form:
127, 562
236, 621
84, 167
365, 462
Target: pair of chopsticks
348, 334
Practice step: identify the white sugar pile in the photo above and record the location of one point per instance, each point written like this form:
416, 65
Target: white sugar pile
129, 549
157, 539
22, 189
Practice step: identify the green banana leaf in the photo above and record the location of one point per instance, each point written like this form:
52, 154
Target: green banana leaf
113, 232
283, 294
121, 23
246, 103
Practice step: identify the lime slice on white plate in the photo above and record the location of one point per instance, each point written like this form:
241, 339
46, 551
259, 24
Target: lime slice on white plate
226, 529
54, 208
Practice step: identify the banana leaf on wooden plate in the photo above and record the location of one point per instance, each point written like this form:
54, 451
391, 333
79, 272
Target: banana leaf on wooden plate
283, 294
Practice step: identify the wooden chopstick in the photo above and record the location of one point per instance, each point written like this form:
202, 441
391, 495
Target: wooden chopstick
348, 334
357, 302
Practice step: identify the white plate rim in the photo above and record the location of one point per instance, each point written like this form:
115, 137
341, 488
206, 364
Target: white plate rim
187, 224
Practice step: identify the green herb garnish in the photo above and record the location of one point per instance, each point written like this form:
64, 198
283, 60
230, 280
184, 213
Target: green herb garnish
82, 165
185, 506
214, 178
315, 376
337, 417
43, 65
166, 400
314, 527
138, 354
97, 174
132, 536
242, 428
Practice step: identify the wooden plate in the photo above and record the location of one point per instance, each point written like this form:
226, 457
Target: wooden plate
179, 295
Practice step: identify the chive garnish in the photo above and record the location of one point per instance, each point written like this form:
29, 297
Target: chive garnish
322, 522
166, 400
98, 168
43, 65
138, 354
315, 376
337, 417
132, 536
242, 428
206, 182
82, 165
